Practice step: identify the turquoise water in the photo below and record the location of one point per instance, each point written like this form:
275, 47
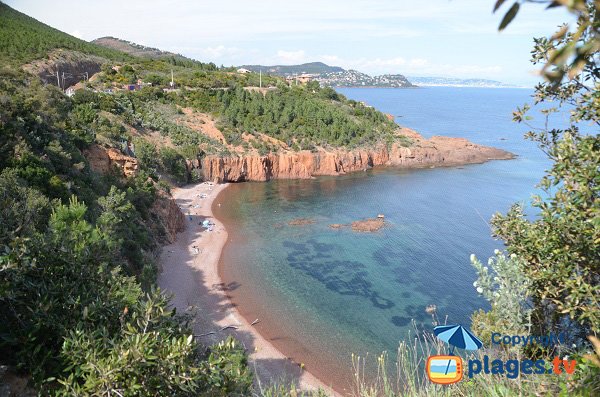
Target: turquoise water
322, 294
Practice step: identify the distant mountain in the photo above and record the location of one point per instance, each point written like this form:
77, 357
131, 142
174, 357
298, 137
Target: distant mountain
454, 82
288, 70
334, 76
138, 50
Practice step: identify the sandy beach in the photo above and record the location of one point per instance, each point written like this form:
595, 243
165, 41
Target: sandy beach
189, 271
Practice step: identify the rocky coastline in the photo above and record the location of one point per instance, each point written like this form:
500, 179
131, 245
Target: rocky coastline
437, 151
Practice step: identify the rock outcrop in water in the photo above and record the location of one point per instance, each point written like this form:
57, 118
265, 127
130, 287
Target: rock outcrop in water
301, 222
436, 151
363, 225
368, 225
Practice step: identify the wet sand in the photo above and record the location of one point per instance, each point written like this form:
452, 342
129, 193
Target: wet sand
190, 271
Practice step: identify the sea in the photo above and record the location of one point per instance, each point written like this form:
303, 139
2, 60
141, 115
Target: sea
322, 294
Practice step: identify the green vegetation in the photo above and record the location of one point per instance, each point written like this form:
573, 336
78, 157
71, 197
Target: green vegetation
566, 232
141, 51
149, 109
551, 283
312, 68
303, 118
186, 74
23, 39
504, 285
306, 116
80, 313
78, 306
568, 52
558, 250
79, 309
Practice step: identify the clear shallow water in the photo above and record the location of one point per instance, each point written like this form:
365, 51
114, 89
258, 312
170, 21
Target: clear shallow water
323, 294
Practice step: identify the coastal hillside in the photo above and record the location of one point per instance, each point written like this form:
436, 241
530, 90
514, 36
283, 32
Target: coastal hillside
136, 262
82, 222
334, 76
138, 50
177, 115
24, 39
92, 141
353, 78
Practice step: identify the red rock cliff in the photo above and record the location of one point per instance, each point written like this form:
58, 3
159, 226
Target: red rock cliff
102, 160
437, 151
164, 209
169, 215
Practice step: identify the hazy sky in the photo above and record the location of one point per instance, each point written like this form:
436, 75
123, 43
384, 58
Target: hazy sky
455, 38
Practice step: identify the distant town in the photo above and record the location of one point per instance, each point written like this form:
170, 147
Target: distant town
335, 76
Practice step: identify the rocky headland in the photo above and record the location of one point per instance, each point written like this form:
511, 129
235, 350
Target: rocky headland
437, 151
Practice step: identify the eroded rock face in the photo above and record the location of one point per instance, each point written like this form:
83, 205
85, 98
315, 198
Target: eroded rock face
169, 215
437, 151
128, 164
164, 209
103, 160
71, 65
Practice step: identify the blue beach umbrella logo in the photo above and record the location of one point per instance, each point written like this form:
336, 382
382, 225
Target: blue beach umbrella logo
448, 369
457, 336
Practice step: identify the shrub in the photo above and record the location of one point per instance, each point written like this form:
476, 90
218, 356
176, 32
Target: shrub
560, 245
23, 210
225, 369
174, 164
152, 355
147, 154
83, 117
506, 288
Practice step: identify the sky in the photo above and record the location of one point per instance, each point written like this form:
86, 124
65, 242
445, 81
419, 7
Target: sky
457, 38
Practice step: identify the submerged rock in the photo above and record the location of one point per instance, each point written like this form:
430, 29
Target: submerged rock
301, 222
368, 225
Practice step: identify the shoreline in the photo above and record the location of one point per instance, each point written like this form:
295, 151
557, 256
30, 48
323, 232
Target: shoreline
334, 371
190, 272
196, 281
